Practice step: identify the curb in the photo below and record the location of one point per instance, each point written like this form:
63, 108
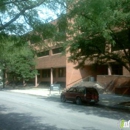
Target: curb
118, 107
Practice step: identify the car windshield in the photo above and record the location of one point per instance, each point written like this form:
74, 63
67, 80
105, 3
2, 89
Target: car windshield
91, 90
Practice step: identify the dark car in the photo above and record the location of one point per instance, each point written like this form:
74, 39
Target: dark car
80, 94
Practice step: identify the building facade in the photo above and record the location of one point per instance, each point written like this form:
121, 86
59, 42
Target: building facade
54, 67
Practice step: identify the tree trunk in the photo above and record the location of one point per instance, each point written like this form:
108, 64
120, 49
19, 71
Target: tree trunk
4, 78
24, 83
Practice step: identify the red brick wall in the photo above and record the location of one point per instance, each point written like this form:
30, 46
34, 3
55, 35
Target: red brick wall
54, 61
114, 82
125, 71
74, 76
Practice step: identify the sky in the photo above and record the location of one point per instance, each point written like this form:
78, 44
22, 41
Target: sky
47, 14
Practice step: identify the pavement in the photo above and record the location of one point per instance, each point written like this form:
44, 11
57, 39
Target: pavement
112, 101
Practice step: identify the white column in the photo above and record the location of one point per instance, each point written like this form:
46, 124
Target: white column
36, 84
51, 75
109, 69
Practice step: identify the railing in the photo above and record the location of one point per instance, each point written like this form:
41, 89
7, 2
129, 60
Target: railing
79, 80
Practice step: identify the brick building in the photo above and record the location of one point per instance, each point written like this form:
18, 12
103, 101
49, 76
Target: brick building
54, 67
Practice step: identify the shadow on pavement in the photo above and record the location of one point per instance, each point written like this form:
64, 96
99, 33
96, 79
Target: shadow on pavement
88, 109
56, 98
125, 103
20, 121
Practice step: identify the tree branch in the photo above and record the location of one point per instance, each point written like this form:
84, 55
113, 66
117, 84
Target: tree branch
19, 14
11, 2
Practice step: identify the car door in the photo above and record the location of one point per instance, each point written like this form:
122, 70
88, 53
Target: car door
71, 93
81, 91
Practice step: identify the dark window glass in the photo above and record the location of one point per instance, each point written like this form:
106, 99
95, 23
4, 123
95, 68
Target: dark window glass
38, 73
54, 72
101, 69
46, 73
44, 53
91, 90
117, 70
72, 90
81, 90
57, 50
61, 72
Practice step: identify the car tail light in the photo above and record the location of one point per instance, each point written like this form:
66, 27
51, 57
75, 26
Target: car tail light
93, 96
88, 96
96, 96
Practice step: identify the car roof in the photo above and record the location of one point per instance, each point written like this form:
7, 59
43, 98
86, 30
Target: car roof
85, 87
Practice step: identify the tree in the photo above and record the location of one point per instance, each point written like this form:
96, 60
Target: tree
16, 58
20, 16
20, 23
99, 28
22, 64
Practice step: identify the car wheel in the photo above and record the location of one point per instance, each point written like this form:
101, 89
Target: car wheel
63, 99
78, 101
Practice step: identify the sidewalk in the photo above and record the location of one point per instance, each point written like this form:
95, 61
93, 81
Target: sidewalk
106, 100
115, 101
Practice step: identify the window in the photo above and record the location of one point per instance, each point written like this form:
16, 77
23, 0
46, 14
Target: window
61, 72
72, 90
38, 73
81, 90
117, 70
44, 53
91, 91
46, 73
54, 72
57, 50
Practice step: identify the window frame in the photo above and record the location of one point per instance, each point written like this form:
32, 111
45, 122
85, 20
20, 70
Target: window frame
57, 50
46, 73
63, 73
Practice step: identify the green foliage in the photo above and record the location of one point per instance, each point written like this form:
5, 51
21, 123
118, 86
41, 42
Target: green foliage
18, 17
22, 67
21, 16
47, 30
16, 57
97, 25
61, 28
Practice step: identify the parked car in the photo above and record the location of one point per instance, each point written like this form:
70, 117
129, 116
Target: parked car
80, 94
